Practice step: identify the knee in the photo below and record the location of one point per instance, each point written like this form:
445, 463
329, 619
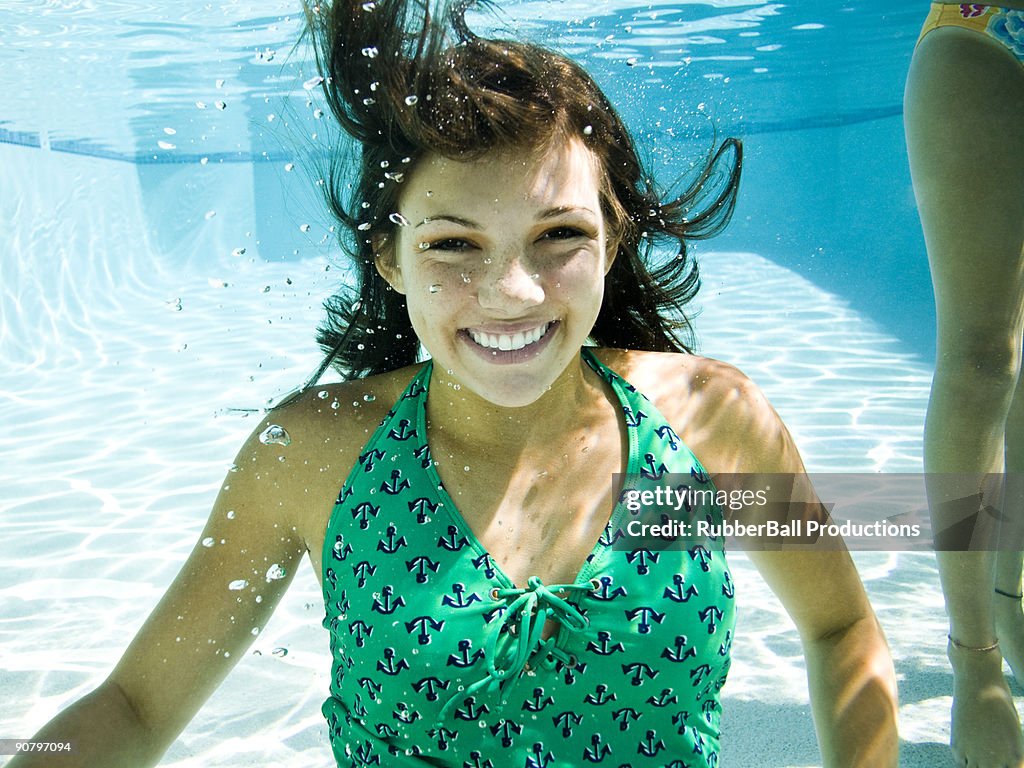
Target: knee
982, 361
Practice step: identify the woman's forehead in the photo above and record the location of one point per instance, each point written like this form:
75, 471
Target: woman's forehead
567, 175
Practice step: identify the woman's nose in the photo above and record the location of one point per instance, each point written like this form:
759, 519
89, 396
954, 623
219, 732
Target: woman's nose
508, 283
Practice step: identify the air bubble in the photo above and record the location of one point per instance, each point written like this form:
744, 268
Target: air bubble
289, 167
364, 226
370, 52
399, 219
368, 7
312, 83
435, 288
238, 252
275, 573
238, 584
466, 278
587, 130
369, 398
323, 394
275, 435
304, 227
208, 542
166, 145
411, 100
280, 652
220, 105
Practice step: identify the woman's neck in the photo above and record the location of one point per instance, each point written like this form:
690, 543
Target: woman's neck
463, 424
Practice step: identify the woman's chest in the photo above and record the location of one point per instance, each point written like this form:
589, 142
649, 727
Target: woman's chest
420, 614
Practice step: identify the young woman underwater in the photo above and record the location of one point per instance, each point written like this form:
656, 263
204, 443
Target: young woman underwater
482, 603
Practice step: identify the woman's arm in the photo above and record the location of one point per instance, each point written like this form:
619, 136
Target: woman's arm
212, 612
102, 728
743, 443
849, 668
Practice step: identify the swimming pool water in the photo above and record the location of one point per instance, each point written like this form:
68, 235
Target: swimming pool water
164, 261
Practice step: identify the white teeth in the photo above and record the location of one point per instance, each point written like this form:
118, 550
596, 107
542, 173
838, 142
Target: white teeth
506, 342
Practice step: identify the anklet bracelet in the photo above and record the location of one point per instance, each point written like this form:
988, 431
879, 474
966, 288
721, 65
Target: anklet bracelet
982, 649
1009, 594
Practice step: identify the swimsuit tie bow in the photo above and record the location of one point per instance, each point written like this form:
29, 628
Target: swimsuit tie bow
519, 634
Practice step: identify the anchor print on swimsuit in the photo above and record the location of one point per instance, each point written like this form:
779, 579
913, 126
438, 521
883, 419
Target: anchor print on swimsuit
436, 654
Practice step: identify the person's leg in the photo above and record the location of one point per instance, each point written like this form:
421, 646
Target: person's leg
964, 116
1009, 609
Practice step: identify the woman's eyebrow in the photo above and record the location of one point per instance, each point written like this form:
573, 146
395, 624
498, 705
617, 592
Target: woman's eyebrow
449, 217
552, 213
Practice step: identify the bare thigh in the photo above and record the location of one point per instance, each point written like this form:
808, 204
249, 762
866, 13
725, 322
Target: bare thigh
964, 116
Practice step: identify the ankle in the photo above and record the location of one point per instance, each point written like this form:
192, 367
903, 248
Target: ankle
972, 663
979, 648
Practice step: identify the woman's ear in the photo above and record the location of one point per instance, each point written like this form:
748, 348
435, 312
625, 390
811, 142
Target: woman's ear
387, 263
611, 250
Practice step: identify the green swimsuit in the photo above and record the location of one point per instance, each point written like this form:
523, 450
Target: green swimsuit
438, 658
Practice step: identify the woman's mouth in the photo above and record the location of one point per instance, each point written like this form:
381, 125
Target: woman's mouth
515, 347
506, 342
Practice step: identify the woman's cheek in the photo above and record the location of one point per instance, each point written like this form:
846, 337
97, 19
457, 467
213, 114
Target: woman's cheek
434, 279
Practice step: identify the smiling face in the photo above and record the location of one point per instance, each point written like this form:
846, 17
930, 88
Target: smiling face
502, 262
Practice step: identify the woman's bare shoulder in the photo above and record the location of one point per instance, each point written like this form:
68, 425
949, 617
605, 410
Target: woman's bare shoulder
306, 448
335, 420
671, 378
718, 411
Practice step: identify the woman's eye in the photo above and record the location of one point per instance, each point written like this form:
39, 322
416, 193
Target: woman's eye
448, 244
563, 233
